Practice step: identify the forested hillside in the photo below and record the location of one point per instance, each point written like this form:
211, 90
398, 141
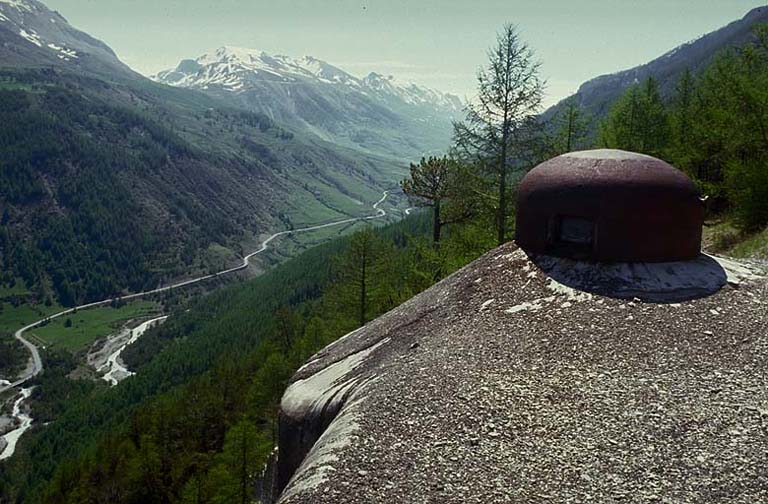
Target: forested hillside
204, 404
111, 183
197, 421
713, 126
597, 95
108, 187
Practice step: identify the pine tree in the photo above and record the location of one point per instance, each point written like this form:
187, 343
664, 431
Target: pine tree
435, 183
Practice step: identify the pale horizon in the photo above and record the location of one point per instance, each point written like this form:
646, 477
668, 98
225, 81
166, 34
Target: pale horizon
436, 44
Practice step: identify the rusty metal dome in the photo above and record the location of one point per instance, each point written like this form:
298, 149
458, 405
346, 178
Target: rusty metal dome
609, 206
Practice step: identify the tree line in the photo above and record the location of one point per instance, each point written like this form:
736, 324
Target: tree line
713, 126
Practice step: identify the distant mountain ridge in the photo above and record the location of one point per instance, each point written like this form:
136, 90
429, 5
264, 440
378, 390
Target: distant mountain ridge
597, 95
232, 68
376, 112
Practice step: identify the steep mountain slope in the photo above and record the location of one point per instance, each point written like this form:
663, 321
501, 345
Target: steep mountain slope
375, 113
32, 35
122, 182
598, 94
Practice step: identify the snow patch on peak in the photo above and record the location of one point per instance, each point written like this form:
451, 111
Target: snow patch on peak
230, 54
20, 5
32, 37
233, 69
412, 93
64, 53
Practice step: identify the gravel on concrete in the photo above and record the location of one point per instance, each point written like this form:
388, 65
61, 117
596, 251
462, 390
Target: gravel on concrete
502, 385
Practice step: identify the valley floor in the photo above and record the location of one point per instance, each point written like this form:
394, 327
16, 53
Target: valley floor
75, 329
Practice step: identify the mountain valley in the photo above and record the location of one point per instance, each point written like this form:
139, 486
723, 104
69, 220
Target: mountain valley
374, 114
263, 278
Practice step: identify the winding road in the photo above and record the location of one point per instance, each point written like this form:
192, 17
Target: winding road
37, 363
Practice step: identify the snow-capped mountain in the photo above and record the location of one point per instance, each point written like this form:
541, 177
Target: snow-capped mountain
233, 68
375, 112
33, 35
388, 86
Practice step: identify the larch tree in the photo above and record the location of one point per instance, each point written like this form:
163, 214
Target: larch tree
509, 95
683, 111
239, 463
571, 128
638, 121
361, 277
733, 127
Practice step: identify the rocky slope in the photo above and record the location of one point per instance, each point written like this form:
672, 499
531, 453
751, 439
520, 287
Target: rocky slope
375, 113
32, 35
513, 381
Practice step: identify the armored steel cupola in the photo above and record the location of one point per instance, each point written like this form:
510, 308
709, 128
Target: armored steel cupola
609, 206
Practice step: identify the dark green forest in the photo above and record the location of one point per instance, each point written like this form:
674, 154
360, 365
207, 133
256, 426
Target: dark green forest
175, 431
713, 127
72, 225
97, 246
12, 353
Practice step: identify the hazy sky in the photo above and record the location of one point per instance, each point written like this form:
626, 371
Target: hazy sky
440, 43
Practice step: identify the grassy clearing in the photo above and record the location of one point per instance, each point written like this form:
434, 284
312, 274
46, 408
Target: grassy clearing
14, 318
725, 239
754, 246
89, 325
217, 258
18, 289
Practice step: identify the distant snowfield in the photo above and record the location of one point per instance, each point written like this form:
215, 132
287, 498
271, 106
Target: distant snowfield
233, 68
19, 11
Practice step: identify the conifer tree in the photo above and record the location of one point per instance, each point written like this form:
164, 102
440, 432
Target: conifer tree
361, 276
435, 183
495, 129
571, 128
638, 121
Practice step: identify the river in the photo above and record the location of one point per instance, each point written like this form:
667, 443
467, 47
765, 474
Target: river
25, 423
114, 370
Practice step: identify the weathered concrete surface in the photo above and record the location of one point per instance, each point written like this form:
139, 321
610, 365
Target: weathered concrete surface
501, 384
